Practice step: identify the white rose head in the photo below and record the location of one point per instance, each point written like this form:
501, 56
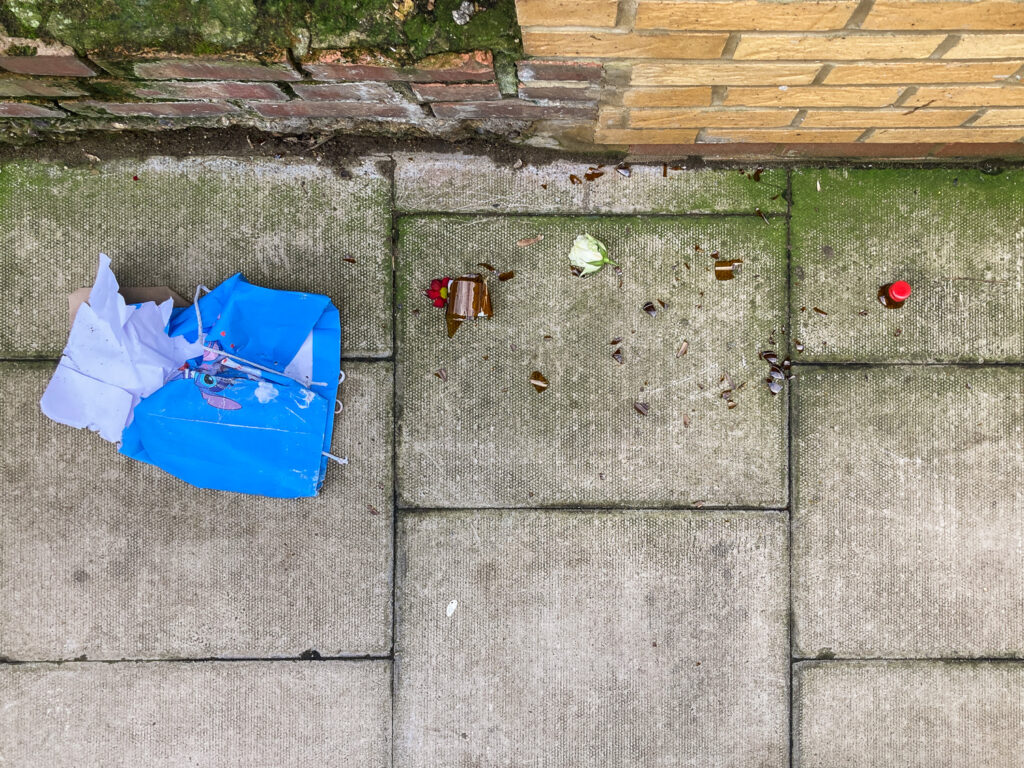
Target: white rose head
588, 255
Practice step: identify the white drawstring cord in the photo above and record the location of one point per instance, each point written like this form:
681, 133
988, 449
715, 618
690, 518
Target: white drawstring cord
332, 457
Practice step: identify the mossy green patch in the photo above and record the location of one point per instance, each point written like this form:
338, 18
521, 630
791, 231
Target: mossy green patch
406, 30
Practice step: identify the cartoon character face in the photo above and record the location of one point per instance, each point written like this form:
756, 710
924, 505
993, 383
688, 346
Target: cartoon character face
210, 387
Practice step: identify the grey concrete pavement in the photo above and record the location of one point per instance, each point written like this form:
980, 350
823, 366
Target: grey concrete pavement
464, 183
908, 512
163, 221
581, 639
110, 558
912, 714
954, 234
215, 714
478, 434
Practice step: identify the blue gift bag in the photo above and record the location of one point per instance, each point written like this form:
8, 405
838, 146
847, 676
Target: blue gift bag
254, 413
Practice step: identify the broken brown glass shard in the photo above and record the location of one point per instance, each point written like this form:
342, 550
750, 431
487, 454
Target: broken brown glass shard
617, 356
623, 169
574, 179
442, 374
485, 265
539, 382
650, 309
774, 386
641, 408
727, 269
798, 345
820, 311
591, 175
529, 241
760, 213
349, 259
663, 304
468, 299
683, 348
504, 276
616, 340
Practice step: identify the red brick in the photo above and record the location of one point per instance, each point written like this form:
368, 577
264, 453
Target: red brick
18, 88
211, 90
980, 150
50, 66
336, 109
446, 68
14, 109
513, 109
213, 69
372, 91
539, 69
559, 91
164, 109
456, 91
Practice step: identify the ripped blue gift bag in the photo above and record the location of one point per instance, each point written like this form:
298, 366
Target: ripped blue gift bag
252, 409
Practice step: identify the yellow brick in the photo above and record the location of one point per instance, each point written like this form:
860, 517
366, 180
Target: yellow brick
723, 73
559, 13
743, 14
1002, 117
914, 14
876, 118
943, 135
837, 47
988, 47
783, 136
634, 136
910, 73
611, 44
812, 96
686, 96
968, 96
705, 118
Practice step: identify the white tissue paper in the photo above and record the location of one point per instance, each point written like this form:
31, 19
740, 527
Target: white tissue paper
116, 355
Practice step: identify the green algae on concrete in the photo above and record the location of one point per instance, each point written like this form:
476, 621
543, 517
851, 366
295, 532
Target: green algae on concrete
112, 558
954, 234
908, 512
289, 225
463, 183
475, 433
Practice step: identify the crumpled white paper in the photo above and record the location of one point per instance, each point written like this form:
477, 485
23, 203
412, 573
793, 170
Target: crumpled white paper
116, 355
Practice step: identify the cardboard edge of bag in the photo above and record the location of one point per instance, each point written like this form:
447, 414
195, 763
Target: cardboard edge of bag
157, 293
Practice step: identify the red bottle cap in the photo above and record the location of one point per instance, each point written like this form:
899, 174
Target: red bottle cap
899, 291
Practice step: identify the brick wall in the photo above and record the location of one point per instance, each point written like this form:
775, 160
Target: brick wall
693, 72
764, 78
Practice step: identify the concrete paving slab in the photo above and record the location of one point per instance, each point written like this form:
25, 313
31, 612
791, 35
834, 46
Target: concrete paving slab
109, 558
479, 435
909, 512
907, 713
463, 183
582, 639
216, 714
287, 225
954, 234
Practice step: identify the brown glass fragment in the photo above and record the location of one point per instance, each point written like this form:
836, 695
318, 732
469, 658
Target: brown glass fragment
539, 382
468, 299
507, 275
641, 408
727, 269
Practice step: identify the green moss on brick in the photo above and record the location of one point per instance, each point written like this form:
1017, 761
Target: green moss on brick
265, 27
